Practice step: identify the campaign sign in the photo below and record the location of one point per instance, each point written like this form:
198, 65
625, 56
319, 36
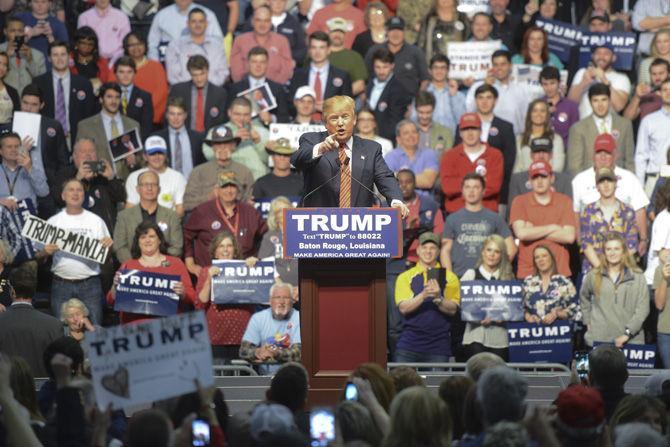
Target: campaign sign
471, 59
137, 364
146, 293
12, 222
239, 284
496, 300
292, 132
76, 244
471, 7
263, 205
622, 43
637, 356
530, 75
540, 343
125, 144
342, 233
563, 36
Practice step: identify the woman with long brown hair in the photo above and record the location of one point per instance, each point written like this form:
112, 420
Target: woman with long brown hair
614, 297
442, 24
538, 125
535, 50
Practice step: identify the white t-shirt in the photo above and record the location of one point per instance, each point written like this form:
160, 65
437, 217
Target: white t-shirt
617, 80
660, 239
628, 189
71, 267
173, 184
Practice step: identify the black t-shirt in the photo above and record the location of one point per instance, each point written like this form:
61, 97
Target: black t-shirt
270, 186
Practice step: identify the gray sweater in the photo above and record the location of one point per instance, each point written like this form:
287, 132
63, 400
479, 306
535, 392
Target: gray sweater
617, 307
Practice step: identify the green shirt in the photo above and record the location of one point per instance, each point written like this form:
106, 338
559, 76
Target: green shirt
351, 62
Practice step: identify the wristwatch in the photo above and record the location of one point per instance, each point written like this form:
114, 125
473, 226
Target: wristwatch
628, 333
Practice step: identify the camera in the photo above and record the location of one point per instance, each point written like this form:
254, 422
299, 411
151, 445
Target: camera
96, 167
19, 41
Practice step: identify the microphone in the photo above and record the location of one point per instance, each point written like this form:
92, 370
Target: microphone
339, 168
378, 196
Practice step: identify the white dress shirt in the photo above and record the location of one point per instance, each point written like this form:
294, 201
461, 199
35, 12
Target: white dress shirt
653, 140
323, 75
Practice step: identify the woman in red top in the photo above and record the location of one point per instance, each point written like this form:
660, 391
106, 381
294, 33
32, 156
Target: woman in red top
86, 62
149, 255
226, 323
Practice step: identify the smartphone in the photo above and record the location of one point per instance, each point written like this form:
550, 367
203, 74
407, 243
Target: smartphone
582, 364
322, 427
351, 391
438, 274
96, 167
200, 433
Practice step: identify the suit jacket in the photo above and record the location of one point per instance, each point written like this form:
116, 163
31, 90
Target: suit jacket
391, 106
56, 160
83, 102
583, 134
141, 109
501, 136
195, 139
215, 102
368, 166
281, 111
128, 220
26, 332
94, 129
337, 83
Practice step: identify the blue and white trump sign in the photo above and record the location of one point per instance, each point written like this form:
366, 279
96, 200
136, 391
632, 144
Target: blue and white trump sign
495, 300
146, 293
240, 284
136, 364
637, 356
342, 233
540, 343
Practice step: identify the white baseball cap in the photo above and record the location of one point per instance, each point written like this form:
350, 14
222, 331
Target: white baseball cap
303, 91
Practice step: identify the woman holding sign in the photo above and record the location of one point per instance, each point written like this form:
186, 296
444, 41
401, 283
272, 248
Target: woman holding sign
226, 323
149, 254
548, 296
614, 297
493, 265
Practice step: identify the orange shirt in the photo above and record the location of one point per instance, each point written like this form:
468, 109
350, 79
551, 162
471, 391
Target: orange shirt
557, 211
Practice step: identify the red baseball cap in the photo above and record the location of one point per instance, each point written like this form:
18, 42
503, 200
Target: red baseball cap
539, 168
470, 121
604, 142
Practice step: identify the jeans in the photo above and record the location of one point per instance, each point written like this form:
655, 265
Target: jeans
403, 356
475, 348
663, 343
89, 291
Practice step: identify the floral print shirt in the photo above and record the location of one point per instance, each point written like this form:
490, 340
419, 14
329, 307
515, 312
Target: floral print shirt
593, 227
560, 293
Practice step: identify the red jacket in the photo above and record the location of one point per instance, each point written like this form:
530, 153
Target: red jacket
455, 164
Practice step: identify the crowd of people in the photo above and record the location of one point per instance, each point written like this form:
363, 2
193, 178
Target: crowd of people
561, 185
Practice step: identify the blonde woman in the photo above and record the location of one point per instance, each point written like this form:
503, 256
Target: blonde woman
660, 48
74, 314
493, 265
614, 297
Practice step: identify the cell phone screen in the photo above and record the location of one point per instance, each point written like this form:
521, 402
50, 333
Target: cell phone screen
322, 427
350, 392
582, 364
200, 429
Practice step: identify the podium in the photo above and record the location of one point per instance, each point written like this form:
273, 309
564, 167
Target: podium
342, 256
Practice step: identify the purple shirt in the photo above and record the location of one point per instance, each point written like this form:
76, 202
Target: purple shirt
566, 114
424, 159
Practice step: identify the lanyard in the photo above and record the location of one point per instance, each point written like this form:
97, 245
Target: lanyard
232, 228
11, 185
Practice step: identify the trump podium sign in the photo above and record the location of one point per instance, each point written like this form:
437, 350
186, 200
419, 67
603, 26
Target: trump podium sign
342, 233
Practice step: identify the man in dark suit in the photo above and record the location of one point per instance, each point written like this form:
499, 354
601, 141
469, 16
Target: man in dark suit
500, 133
386, 96
258, 67
135, 102
68, 97
24, 331
184, 145
326, 80
52, 148
323, 155
210, 100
